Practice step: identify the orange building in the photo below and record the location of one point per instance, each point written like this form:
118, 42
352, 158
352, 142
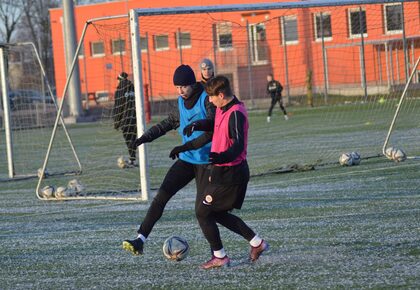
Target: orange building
339, 49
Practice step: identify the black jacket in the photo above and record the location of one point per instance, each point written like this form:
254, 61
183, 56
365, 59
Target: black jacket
274, 89
173, 120
124, 111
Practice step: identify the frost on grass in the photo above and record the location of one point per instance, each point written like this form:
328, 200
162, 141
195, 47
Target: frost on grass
326, 230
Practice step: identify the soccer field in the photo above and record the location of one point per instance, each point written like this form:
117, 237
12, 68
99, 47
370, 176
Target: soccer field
334, 227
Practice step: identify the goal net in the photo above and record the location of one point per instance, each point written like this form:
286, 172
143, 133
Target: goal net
27, 113
342, 67
109, 162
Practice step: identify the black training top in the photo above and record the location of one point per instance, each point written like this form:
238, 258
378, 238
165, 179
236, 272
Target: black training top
274, 88
173, 120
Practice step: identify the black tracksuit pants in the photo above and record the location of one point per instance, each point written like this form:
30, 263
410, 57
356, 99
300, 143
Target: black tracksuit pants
273, 103
209, 215
130, 135
178, 176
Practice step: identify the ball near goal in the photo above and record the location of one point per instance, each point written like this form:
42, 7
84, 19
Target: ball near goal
350, 159
395, 154
75, 187
356, 158
122, 162
61, 192
47, 191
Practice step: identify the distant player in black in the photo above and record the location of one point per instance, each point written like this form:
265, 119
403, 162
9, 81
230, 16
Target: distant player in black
124, 114
274, 89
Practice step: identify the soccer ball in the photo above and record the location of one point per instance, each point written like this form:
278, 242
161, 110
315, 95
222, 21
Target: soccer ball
389, 152
349, 159
356, 158
61, 192
346, 159
398, 155
47, 191
122, 162
39, 173
74, 186
175, 248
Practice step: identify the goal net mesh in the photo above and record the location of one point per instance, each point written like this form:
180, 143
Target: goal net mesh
342, 68
32, 115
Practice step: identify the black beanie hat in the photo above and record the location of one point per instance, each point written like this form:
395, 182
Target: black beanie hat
122, 76
184, 76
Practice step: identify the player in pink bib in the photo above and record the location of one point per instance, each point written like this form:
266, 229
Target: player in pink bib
229, 173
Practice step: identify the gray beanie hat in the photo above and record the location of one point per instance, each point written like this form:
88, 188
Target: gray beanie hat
206, 63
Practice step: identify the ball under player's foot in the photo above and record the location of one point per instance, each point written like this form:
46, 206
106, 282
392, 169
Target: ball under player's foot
256, 252
286, 117
268, 119
215, 262
133, 246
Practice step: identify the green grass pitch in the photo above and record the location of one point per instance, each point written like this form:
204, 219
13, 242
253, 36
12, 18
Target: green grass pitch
334, 227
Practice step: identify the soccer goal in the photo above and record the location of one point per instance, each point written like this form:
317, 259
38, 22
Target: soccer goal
27, 115
342, 75
342, 78
105, 171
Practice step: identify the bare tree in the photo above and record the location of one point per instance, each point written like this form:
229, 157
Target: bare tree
10, 13
35, 27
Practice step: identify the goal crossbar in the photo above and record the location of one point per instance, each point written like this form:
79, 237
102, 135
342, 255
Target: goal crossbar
255, 7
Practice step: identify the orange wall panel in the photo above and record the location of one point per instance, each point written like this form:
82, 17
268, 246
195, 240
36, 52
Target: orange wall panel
305, 55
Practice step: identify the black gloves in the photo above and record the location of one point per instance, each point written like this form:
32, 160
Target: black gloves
199, 125
175, 152
217, 158
189, 129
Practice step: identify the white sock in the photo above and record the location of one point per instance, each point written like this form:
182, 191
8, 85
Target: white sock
220, 253
143, 238
256, 241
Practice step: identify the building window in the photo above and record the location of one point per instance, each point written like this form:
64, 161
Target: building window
289, 30
224, 36
258, 43
326, 26
161, 42
355, 29
118, 46
393, 18
183, 40
143, 43
98, 48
